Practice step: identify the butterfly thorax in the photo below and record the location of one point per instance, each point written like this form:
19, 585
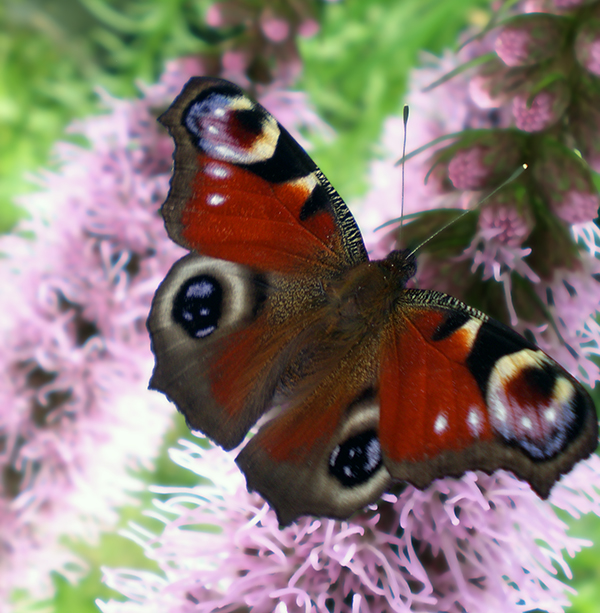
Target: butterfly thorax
369, 291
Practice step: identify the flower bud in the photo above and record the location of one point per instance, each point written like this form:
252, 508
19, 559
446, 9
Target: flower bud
565, 183
506, 216
530, 39
487, 87
273, 26
485, 161
536, 112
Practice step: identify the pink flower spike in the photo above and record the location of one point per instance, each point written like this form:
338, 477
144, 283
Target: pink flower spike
77, 418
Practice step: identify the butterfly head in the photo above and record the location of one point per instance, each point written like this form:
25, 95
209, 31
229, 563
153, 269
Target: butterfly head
402, 264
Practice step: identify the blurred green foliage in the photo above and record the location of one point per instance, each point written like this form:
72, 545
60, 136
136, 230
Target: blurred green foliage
55, 54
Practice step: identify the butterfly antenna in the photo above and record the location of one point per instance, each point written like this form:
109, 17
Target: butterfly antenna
405, 121
518, 172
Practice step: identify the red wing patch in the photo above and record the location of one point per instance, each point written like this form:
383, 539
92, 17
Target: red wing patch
235, 215
429, 400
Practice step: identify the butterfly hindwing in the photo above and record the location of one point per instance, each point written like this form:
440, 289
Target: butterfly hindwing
223, 336
319, 462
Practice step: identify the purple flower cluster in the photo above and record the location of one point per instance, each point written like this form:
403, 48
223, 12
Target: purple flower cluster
76, 360
472, 544
481, 543
77, 417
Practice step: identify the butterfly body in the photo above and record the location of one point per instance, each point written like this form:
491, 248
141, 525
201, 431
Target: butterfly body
278, 310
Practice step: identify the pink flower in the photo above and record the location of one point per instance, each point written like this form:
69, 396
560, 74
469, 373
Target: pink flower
460, 545
505, 223
274, 28
497, 246
467, 169
565, 183
266, 50
577, 207
569, 296
482, 160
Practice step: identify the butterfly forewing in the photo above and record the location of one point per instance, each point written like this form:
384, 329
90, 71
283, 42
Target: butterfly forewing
245, 191
476, 396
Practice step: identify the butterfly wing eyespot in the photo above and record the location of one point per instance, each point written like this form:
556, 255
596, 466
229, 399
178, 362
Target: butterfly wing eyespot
198, 307
330, 461
277, 305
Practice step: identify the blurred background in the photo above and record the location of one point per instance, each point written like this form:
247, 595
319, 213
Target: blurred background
59, 57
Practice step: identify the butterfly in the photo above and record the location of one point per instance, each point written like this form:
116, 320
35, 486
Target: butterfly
278, 312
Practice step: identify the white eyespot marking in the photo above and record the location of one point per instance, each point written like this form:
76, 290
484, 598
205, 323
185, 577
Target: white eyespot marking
526, 423
441, 424
550, 415
213, 130
499, 412
474, 422
219, 111
373, 453
215, 199
217, 170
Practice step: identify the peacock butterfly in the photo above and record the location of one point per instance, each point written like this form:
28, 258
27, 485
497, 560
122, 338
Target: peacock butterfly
277, 309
